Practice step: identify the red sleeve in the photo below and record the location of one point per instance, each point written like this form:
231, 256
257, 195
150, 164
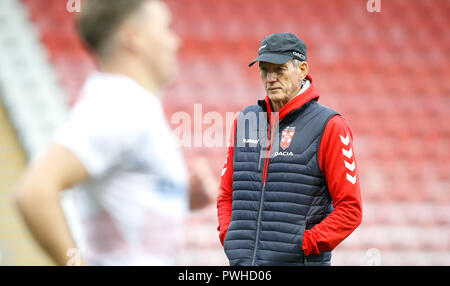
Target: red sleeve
337, 162
225, 197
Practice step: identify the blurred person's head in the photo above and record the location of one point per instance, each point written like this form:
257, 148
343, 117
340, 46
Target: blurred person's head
131, 36
282, 65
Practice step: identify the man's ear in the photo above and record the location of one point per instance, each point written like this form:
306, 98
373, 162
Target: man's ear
303, 70
128, 36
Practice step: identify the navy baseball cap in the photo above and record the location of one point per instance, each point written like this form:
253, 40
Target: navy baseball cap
280, 48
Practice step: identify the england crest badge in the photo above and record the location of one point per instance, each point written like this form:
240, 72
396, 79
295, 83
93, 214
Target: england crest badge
286, 137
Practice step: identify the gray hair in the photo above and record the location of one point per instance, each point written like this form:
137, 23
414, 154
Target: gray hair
296, 62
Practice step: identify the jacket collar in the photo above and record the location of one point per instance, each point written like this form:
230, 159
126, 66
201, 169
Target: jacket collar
311, 93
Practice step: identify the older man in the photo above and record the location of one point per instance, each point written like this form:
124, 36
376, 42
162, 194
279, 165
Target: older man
289, 190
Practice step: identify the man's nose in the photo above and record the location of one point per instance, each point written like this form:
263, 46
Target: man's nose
271, 77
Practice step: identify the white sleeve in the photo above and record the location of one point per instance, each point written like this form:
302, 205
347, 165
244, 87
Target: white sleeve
95, 135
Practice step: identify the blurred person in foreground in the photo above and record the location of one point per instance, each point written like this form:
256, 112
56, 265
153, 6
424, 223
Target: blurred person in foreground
289, 190
117, 145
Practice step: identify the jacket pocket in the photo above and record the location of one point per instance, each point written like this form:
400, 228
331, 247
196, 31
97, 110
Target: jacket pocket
302, 232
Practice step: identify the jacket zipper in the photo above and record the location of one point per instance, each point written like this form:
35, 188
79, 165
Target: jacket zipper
258, 225
264, 178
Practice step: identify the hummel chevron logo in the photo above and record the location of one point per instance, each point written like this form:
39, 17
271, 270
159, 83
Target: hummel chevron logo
351, 166
348, 153
351, 179
345, 140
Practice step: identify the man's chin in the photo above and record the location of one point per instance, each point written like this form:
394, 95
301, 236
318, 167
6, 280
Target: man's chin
276, 95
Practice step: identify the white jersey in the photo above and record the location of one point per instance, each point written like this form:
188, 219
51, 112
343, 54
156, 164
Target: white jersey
133, 207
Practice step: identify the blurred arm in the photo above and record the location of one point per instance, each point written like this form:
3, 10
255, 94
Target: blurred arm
38, 199
202, 188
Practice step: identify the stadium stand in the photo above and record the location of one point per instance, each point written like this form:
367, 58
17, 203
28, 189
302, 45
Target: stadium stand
32, 104
387, 73
35, 93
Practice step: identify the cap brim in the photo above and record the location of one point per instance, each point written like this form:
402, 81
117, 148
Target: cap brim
271, 58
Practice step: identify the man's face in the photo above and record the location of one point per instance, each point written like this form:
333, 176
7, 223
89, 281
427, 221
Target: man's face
158, 43
281, 81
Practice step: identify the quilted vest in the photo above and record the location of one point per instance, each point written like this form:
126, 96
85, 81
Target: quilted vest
278, 187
